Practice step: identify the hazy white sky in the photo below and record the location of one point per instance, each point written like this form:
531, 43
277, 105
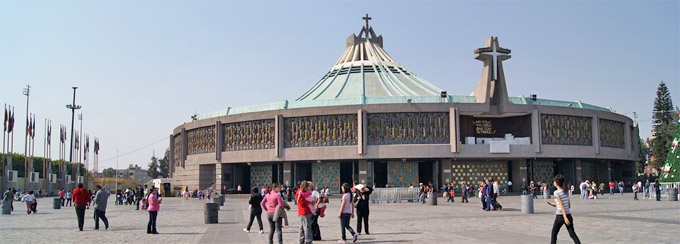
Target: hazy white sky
144, 67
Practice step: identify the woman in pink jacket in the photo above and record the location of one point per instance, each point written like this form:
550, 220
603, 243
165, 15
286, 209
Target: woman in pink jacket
269, 204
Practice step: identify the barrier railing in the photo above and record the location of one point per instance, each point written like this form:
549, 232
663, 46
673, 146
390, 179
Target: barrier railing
394, 195
664, 189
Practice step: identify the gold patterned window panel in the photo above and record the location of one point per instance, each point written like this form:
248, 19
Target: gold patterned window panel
321, 131
408, 128
473, 172
249, 135
566, 130
611, 134
201, 140
178, 149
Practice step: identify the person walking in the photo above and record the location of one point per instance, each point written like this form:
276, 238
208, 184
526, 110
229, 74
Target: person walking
100, 199
154, 207
346, 212
80, 199
611, 188
621, 185
635, 192
69, 196
657, 186
29, 198
8, 197
61, 196
532, 188
563, 212
271, 203
255, 210
362, 205
305, 210
316, 231
646, 192
139, 196
464, 197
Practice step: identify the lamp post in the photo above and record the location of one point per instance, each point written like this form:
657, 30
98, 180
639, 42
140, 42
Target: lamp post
27, 93
73, 108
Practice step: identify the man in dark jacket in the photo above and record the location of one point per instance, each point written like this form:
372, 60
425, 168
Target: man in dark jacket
140, 195
362, 199
100, 199
80, 199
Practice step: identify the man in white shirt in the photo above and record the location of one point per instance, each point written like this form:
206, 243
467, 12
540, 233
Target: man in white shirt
509, 185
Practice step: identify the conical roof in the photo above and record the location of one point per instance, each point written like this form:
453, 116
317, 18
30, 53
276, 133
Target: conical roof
366, 70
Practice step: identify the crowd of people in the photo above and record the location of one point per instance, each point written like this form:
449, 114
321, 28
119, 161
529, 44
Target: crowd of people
311, 204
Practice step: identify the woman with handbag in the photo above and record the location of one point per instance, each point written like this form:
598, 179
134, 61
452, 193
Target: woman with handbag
273, 204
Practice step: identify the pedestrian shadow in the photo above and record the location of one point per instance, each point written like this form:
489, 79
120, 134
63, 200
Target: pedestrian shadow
395, 233
510, 210
371, 240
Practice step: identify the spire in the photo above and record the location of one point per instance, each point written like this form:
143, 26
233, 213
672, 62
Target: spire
367, 26
491, 87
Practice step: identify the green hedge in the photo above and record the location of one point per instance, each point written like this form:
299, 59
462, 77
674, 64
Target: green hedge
18, 161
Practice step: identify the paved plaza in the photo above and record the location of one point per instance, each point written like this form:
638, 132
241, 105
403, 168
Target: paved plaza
615, 219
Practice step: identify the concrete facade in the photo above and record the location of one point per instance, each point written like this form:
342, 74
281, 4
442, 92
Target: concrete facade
474, 129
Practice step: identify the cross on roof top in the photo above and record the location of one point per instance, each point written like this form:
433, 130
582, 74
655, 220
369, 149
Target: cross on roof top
367, 19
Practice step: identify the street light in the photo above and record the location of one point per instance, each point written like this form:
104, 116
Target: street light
73, 108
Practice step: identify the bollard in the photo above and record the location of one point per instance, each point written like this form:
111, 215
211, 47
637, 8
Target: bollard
222, 199
217, 201
6, 207
432, 198
527, 204
546, 193
211, 213
673, 194
56, 203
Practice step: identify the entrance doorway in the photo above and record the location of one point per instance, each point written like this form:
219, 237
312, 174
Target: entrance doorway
425, 173
380, 174
303, 171
346, 172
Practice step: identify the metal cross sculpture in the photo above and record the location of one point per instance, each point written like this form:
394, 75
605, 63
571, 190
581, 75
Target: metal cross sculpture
493, 54
367, 19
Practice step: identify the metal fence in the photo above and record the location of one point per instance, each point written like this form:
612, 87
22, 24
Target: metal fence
664, 189
394, 195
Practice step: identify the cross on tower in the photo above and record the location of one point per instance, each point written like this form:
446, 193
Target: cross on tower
494, 54
367, 19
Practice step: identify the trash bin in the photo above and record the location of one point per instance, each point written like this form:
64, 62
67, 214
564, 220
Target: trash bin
56, 203
673, 194
218, 201
432, 198
6, 207
222, 199
546, 193
527, 204
211, 213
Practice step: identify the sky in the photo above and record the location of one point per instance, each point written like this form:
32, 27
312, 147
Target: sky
142, 68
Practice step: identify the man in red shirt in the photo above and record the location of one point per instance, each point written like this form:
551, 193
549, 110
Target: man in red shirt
80, 198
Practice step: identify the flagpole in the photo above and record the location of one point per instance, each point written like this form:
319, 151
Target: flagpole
45, 158
116, 169
27, 93
4, 128
80, 142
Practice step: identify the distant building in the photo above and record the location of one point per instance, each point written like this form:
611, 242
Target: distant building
134, 172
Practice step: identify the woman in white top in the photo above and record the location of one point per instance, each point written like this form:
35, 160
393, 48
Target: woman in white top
29, 199
563, 213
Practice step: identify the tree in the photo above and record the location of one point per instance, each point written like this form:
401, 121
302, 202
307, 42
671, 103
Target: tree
109, 173
164, 167
662, 120
669, 172
153, 167
642, 156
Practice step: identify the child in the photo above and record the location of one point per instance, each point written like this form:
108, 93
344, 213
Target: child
563, 212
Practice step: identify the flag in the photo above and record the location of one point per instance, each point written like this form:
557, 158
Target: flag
4, 124
33, 127
96, 146
77, 137
28, 126
49, 134
10, 122
87, 146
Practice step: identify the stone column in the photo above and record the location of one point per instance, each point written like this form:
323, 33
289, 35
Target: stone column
536, 131
446, 175
219, 141
288, 174
605, 171
278, 135
184, 149
454, 130
219, 181
627, 137
362, 138
363, 172
171, 170
519, 174
578, 172
596, 134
